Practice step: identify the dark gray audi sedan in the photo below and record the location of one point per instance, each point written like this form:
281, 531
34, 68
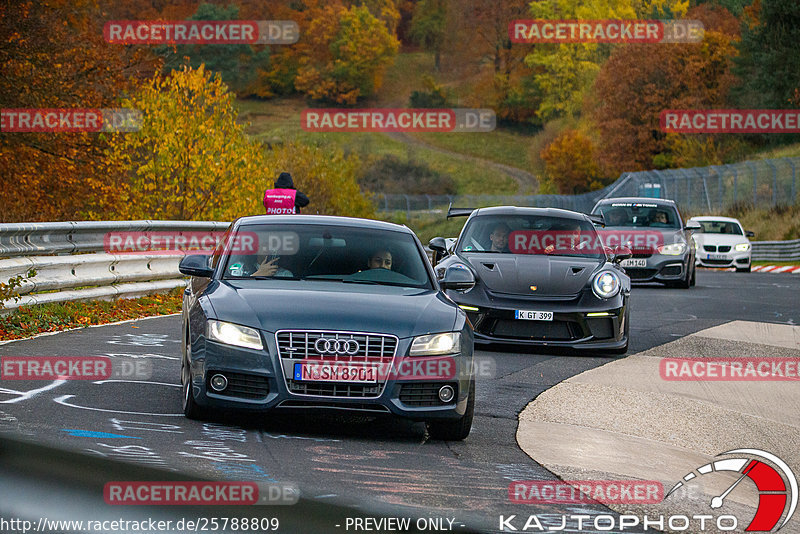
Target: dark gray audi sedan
317, 312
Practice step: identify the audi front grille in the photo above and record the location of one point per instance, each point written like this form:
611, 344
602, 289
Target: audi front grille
334, 346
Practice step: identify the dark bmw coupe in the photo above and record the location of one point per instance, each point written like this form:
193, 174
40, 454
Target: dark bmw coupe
542, 276
316, 312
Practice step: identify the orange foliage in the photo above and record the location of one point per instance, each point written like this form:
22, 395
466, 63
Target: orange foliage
640, 80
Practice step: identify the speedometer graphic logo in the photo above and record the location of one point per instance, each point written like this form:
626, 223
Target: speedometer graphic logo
775, 481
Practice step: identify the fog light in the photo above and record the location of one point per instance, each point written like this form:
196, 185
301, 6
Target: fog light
446, 393
218, 382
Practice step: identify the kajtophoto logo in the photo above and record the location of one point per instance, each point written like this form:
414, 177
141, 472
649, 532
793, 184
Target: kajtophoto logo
775, 481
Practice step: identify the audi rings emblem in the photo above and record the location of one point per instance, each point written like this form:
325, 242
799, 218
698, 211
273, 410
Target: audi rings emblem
325, 345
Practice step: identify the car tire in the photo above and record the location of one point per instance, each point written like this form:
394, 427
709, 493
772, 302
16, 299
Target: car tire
189, 405
743, 269
694, 277
455, 430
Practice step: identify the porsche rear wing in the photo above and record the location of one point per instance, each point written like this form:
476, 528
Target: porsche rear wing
597, 219
458, 212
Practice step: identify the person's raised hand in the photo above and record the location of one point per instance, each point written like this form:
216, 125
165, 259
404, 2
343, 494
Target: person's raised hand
267, 268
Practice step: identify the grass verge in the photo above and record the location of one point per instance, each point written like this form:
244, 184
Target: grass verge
28, 321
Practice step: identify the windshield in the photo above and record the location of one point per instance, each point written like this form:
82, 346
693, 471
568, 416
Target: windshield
720, 227
531, 234
324, 252
636, 214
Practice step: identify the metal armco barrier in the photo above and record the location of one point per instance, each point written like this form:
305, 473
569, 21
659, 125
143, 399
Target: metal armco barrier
64, 273
32, 239
776, 250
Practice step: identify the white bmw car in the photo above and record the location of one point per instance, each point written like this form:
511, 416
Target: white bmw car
722, 243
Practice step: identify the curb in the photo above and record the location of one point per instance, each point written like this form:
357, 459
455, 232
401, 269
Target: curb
794, 269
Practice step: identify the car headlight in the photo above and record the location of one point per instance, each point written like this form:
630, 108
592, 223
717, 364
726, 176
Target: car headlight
435, 344
606, 284
741, 247
674, 249
234, 334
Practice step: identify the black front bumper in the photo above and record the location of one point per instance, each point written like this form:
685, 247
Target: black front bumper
584, 323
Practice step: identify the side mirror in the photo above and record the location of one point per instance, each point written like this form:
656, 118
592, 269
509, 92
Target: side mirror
439, 247
196, 265
692, 225
621, 252
749, 233
457, 277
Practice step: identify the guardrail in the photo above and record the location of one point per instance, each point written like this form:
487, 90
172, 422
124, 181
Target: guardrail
32, 239
70, 264
776, 250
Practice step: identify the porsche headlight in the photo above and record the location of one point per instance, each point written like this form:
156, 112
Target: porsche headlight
674, 249
606, 284
234, 334
436, 344
742, 247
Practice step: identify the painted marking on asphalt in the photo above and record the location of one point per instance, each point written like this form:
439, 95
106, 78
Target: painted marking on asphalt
25, 395
93, 434
62, 400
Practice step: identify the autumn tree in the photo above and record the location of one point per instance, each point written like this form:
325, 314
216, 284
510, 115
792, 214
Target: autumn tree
564, 73
190, 157
768, 65
570, 163
641, 80
238, 65
347, 52
327, 176
52, 55
429, 27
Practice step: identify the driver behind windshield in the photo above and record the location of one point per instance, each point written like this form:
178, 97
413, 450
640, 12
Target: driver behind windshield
380, 259
499, 238
658, 218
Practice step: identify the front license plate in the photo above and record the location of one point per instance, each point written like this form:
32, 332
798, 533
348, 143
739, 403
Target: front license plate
717, 257
635, 262
533, 315
332, 372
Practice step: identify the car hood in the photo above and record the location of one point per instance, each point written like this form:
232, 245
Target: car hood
516, 273
719, 239
275, 305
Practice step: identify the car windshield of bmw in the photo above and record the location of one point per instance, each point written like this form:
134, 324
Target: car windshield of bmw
311, 252
531, 234
719, 227
633, 214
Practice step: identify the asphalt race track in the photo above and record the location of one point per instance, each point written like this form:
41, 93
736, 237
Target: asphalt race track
358, 461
